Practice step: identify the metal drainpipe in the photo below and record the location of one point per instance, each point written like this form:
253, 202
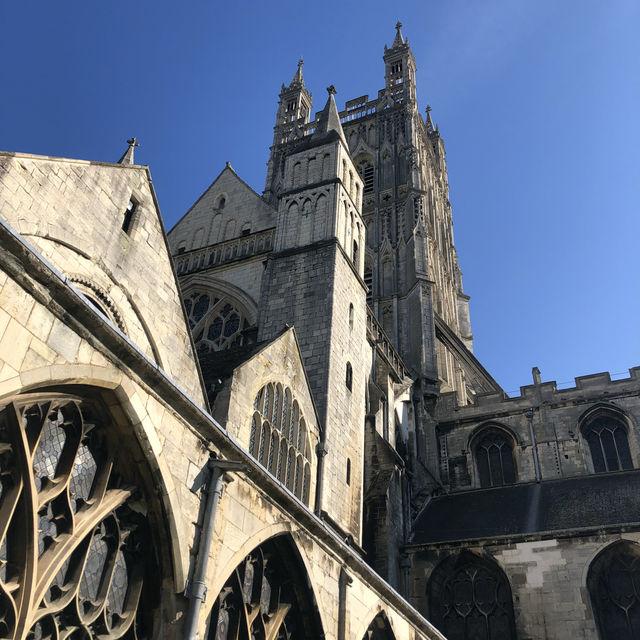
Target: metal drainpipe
534, 446
197, 586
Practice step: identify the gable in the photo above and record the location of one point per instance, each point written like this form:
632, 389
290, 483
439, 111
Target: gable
228, 209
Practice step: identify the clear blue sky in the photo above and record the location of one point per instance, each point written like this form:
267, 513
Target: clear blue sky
538, 103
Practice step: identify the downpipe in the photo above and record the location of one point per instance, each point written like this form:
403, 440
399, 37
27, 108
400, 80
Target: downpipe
197, 588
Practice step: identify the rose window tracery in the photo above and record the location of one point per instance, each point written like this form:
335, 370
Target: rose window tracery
216, 323
75, 544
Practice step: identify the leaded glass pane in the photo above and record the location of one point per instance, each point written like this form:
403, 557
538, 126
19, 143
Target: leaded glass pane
95, 576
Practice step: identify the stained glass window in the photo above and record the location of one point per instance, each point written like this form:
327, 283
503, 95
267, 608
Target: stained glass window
608, 443
613, 581
494, 458
470, 599
267, 596
282, 437
62, 470
216, 323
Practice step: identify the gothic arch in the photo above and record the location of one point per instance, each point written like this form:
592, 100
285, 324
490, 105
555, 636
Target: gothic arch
606, 432
83, 540
470, 598
109, 384
379, 629
268, 595
612, 584
493, 449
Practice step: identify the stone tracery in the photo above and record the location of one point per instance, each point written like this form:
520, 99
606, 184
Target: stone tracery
74, 541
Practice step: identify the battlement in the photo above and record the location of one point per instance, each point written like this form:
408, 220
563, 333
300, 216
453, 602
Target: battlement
586, 388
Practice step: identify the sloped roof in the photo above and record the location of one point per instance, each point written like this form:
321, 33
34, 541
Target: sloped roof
594, 501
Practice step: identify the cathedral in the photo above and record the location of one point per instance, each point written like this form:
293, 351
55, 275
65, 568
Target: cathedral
269, 422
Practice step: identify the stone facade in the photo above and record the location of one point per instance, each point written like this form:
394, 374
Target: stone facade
277, 404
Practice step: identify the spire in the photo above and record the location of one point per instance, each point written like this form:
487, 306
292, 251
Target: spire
127, 156
298, 80
399, 40
329, 119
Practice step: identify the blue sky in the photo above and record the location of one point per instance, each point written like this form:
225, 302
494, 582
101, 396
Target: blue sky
537, 102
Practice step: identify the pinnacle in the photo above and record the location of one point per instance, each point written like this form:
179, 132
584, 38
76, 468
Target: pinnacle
329, 119
127, 156
399, 39
298, 79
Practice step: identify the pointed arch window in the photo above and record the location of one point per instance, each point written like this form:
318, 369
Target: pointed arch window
607, 437
612, 582
216, 323
76, 548
470, 599
279, 438
493, 451
267, 596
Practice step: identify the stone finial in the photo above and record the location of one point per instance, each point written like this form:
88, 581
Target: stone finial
535, 372
399, 40
331, 90
127, 156
228, 166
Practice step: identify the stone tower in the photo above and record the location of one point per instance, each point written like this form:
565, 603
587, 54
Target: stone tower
314, 281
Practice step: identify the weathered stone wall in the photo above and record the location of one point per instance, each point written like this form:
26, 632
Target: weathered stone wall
548, 579
51, 337
73, 211
556, 415
223, 211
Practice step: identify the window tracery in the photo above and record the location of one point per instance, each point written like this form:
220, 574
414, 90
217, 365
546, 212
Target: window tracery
470, 599
279, 441
216, 323
494, 458
608, 442
76, 553
266, 597
612, 583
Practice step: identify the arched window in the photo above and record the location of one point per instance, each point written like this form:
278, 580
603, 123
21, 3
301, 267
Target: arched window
76, 545
216, 324
349, 376
267, 596
606, 434
351, 315
612, 583
470, 599
279, 440
379, 629
493, 450
222, 201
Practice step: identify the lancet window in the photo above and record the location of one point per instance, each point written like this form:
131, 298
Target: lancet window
76, 552
493, 450
470, 599
279, 439
366, 171
216, 323
612, 583
266, 597
608, 442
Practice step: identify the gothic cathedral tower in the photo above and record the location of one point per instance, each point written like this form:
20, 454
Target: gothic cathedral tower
314, 281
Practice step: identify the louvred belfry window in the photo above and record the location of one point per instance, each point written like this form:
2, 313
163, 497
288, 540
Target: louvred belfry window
470, 599
76, 553
278, 439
